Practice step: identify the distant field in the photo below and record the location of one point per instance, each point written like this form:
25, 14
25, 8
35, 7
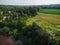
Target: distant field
46, 20
52, 11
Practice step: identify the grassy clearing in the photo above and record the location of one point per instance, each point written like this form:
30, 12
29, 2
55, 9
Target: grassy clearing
51, 11
48, 22
45, 20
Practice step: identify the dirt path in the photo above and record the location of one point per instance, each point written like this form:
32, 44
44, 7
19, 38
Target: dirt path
7, 40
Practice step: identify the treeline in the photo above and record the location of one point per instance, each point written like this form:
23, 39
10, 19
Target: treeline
52, 6
20, 10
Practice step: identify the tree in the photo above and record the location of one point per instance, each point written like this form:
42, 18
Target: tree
1, 15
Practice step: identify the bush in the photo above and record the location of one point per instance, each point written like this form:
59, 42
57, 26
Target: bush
6, 30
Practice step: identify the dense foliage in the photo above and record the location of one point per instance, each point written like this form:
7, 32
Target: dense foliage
13, 22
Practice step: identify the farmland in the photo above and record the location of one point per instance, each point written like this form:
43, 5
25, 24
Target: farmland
50, 22
51, 11
53, 19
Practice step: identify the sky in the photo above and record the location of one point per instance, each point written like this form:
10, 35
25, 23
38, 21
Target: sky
29, 2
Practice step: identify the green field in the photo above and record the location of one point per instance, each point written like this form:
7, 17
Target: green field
50, 11
48, 22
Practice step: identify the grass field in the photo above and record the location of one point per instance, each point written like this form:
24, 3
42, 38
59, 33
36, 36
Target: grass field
51, 11
46, 19
48, 22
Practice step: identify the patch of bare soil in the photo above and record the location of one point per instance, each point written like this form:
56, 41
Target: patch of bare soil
8, 40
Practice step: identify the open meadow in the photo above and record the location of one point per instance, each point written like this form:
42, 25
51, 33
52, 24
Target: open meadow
50, 11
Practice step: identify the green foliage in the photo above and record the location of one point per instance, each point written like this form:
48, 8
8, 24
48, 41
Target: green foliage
15, 24
6, 30
15, 32
1, 15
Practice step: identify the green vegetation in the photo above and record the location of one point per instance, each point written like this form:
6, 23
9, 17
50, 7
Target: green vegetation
31, 26
50, 11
